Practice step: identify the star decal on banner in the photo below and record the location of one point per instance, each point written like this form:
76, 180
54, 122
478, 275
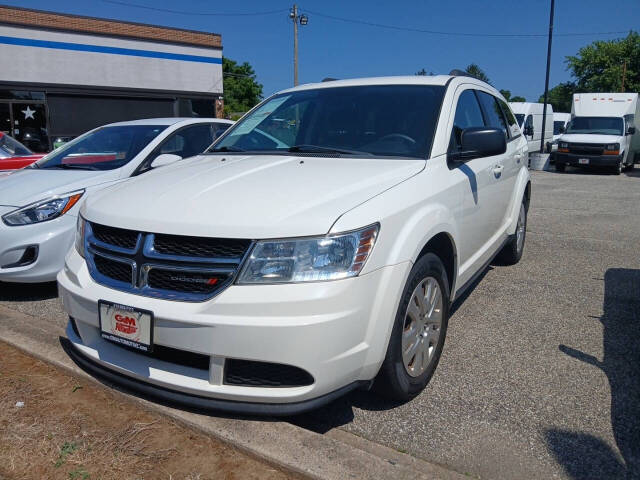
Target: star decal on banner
28, 113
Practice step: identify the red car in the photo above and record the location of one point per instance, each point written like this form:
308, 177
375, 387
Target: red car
14, 155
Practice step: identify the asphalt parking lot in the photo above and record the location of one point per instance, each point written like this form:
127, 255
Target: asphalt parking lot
540, 375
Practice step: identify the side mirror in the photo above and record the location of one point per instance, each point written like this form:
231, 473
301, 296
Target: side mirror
528, 131
631, 130
478, 142
165, 159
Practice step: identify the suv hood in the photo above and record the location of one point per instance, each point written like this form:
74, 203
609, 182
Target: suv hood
242, 196
587, 138
26, 186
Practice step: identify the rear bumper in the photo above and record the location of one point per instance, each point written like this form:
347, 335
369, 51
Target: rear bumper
593, 160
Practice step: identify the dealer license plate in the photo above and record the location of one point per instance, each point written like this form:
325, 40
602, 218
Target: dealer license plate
583, 161
126, 325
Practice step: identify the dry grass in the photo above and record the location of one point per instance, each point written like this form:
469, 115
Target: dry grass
71, 429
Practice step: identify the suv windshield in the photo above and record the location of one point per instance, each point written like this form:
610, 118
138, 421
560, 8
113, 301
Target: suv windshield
106, 148
11, 147
596, 125
374, 120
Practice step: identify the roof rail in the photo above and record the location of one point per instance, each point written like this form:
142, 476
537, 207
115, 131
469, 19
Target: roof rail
460, 73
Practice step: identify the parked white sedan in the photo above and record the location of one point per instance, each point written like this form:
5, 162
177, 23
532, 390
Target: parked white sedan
39, 204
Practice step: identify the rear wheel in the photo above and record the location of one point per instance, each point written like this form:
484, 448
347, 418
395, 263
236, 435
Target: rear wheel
418, 333
512, 252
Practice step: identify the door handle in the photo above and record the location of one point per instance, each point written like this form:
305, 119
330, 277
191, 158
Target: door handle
497, 170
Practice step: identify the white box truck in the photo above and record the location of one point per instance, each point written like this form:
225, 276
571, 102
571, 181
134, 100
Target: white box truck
529, 117
601, 133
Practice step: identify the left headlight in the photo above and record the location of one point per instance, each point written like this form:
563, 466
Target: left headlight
43, 210
309, 259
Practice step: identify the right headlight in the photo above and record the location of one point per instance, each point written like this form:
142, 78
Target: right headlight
80, 228
309, 259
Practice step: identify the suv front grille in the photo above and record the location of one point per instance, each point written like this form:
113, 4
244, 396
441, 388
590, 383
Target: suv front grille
117, 237
160, 265
200, 247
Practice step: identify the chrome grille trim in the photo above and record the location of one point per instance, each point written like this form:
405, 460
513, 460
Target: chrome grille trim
144, 258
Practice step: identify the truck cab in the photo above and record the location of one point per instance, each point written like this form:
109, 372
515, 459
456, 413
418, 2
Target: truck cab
601, 133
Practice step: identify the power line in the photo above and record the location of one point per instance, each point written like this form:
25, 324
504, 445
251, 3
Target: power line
182, 12
460, 34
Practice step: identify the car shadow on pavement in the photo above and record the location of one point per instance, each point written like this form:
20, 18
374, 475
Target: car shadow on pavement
581, 454
27, 292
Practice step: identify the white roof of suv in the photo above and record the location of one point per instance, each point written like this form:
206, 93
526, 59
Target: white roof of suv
170, 121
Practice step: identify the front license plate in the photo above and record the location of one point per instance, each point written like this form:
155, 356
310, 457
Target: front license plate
583, 161
125, 325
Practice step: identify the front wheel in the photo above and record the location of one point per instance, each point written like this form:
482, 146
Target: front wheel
618, 169
560, 167
418, 333
512, 252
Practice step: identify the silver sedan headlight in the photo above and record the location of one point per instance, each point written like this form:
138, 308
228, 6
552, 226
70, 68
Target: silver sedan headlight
43, 210
309, 259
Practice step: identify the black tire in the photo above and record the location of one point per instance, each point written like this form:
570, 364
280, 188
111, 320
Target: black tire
560, 167
393, 380
511, 253
617, 170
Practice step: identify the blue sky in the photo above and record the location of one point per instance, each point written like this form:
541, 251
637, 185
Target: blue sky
345, 50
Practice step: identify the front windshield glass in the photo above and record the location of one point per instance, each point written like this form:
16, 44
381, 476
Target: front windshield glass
11, 147
558, 127
520, 118
372, 120
596, 125
106, 148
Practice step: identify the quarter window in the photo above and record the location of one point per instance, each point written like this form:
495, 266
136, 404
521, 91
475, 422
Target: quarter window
511, 119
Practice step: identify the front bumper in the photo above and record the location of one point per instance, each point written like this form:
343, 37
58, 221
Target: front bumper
53, 239
336, 331
594, 160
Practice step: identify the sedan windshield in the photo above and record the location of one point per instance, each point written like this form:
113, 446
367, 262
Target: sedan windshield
106, 148
11, 147
374, 120
596, 125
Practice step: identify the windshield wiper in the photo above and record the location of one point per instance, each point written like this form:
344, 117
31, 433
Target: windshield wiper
74, 166
318, 149
227, 149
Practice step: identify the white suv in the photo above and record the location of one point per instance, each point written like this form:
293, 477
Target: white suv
315, 248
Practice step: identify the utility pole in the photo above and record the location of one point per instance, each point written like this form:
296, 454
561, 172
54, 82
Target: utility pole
546, 82
624, 74
303, 19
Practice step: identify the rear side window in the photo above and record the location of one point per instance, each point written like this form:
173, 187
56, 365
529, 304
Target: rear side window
493, 112
468, 114
511, 119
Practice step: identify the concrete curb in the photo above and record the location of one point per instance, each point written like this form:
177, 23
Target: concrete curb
335, 456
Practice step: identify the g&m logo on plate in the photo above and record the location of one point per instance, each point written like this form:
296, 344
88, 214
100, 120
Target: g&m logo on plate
125, 324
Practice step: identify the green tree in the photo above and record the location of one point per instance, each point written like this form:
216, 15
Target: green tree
599, 67
475, 71
422, 72
518, 98
241, 88
507, 95
560, 97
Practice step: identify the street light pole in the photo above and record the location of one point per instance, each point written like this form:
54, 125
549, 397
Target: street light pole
295, 45
303, 19
546, 82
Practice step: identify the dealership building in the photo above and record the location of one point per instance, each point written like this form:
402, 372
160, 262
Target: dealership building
62, 75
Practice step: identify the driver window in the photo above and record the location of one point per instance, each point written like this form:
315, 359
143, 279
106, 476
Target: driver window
468, 114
